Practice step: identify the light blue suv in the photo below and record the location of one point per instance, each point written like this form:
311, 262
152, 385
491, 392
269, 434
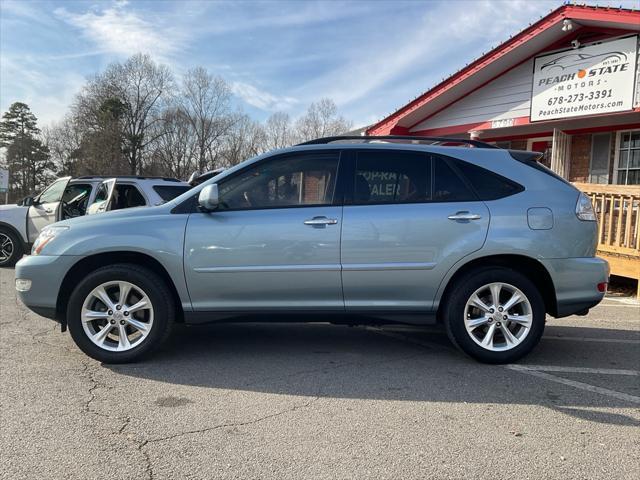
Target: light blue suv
342, 229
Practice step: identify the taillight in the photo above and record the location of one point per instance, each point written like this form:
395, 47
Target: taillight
602, 287
584, 209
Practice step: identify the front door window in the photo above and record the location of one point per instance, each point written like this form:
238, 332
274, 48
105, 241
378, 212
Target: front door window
53, 193
303, 180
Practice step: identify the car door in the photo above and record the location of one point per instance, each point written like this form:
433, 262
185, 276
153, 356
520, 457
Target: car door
74, 201
45, 208
407, 219
274, 243
102, 198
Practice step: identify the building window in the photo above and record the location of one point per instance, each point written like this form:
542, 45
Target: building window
628, 154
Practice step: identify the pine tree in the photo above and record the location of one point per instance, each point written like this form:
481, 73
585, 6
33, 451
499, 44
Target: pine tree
27, 159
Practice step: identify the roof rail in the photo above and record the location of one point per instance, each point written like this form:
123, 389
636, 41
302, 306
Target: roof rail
137, 177
405, 138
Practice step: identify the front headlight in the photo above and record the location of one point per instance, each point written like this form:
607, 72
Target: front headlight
46, 236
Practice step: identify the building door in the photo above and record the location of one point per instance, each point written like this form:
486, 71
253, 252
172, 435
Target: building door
600, 153
561, 153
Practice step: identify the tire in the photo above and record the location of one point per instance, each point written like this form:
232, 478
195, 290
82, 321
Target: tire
12, 245
468, 324
152, 307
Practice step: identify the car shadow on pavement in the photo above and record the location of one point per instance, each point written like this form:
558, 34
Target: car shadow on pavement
599, 416
342, 362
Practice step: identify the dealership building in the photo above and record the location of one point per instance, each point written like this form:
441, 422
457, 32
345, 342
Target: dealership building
567, 86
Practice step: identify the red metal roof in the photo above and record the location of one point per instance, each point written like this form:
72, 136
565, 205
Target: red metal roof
586, 15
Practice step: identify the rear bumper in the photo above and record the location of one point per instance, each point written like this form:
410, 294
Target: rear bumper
575, 281
46, 274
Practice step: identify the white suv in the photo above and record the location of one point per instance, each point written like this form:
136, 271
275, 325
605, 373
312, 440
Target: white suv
68, 197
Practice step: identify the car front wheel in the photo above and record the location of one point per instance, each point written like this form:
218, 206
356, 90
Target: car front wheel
120, 313
495, 315
10, 248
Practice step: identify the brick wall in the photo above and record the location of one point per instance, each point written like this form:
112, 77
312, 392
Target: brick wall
312, 189
580, 156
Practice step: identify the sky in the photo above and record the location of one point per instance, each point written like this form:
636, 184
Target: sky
370, 57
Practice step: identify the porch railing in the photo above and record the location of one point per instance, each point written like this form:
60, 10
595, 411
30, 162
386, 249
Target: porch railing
618, 210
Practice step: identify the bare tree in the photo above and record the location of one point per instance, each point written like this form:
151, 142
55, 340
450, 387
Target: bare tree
278, 131
246, 139
321, 120
64, 140
131, 119
174, 152
119, 107
206, 102
141, 85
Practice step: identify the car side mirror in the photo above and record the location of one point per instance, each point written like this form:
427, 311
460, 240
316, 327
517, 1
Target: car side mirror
209, 199
26, 202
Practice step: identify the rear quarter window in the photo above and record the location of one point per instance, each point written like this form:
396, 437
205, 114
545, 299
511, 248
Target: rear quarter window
488, 185
169, 192
447, 184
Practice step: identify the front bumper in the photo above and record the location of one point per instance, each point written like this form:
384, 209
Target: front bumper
575, 281
46, 274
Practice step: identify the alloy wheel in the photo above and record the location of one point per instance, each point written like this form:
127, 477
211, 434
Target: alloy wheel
117, 316
498, 316
6, 247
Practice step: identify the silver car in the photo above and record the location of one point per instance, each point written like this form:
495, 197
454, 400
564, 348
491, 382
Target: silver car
483, 240
67, 197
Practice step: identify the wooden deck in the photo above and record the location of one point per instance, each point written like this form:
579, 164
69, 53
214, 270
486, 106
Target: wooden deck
618, 211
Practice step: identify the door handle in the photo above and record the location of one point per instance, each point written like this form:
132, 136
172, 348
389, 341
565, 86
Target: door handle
320, 222
48, 210
464, 216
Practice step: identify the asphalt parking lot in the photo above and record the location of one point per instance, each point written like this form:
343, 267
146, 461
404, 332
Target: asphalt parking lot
320, 401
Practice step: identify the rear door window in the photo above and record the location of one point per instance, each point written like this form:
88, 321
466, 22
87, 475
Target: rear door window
76, 199
389, 176
102, 193
396, 176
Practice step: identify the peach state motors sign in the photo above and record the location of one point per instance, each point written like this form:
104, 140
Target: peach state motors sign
585, 81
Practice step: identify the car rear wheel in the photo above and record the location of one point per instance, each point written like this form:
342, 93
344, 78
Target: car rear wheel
10, 248
120, 313
495, 315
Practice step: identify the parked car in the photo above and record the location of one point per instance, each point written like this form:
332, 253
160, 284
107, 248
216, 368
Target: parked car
124, 192
68, 198
483, 240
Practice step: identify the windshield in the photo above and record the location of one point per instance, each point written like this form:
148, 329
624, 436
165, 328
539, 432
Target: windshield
195, 190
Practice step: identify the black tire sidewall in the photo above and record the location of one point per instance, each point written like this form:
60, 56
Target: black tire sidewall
153, 286
456, 302
18, 249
